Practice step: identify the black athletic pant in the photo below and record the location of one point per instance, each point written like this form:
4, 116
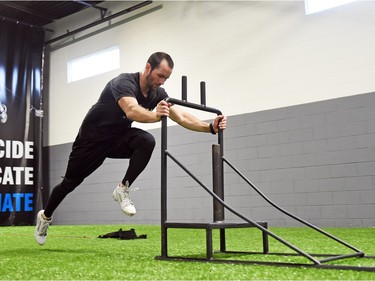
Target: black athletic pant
86, 156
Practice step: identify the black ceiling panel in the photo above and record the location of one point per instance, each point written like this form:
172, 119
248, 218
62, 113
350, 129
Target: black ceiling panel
41, 13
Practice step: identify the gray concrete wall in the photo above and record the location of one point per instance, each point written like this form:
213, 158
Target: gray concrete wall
316, 160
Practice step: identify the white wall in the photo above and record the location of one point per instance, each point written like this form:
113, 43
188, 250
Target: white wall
254, 55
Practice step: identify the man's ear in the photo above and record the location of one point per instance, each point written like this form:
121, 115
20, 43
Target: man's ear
148, 68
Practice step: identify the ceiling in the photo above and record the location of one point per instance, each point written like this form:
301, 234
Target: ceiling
41, 13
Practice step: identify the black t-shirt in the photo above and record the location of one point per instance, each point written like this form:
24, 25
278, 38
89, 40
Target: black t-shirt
105, 118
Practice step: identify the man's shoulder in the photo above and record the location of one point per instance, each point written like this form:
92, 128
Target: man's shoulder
125, 83
124, 77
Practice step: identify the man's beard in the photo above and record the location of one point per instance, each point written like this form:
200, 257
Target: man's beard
150, 83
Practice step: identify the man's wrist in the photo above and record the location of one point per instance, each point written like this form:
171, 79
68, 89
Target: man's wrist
212, 130
157, 117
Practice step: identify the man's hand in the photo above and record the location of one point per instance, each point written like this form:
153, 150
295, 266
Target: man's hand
162, 109
220, 122
137, 113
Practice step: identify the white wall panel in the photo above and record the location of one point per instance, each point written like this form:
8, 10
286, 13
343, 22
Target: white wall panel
254, 55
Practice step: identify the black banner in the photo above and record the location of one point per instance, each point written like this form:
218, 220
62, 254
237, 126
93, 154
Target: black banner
21, 54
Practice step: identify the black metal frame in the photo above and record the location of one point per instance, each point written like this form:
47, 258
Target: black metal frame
219, 204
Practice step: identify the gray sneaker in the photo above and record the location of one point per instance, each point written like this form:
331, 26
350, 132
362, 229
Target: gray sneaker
41, 228
121, 195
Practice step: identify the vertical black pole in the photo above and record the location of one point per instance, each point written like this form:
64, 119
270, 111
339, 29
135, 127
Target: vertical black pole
222, 230
217, 182
184, 88
164, 240
203, 93
221, 173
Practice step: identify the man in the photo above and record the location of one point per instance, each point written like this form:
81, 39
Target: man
106, 132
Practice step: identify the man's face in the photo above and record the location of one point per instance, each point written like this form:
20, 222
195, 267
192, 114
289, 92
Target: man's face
159, 75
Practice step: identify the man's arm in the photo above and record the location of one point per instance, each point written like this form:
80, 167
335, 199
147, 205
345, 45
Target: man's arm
137, 113
191, 122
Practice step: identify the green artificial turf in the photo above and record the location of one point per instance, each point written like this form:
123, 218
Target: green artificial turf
75, 253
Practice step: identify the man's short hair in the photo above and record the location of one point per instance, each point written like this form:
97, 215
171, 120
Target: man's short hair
155, 59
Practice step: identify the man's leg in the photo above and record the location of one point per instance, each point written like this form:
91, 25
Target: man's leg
84, 159
138, 145
142, 146
58, 194
44, 217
